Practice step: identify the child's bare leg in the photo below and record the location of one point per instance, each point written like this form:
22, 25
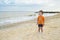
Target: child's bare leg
41, 29
38, 29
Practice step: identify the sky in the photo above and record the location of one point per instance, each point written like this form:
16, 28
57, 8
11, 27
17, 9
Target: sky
29, 5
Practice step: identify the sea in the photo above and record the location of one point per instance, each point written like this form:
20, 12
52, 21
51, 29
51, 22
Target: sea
10, 17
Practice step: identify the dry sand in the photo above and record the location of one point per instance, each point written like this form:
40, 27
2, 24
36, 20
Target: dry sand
28, 30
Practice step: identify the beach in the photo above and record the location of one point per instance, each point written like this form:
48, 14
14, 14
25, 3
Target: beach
28, 30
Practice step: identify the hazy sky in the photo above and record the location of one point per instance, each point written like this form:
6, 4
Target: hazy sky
29, 5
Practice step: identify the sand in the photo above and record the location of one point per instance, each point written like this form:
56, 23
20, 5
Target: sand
28, 30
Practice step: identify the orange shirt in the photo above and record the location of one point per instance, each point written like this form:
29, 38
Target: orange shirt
40, 20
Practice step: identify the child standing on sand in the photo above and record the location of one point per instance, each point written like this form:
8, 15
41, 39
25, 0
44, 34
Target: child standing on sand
40, 21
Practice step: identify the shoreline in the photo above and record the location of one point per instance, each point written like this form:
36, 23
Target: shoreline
13, 24
20, 21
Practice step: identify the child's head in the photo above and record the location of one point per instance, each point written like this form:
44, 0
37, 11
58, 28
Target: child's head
40, 12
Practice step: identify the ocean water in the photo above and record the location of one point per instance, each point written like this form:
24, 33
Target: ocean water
9, 17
